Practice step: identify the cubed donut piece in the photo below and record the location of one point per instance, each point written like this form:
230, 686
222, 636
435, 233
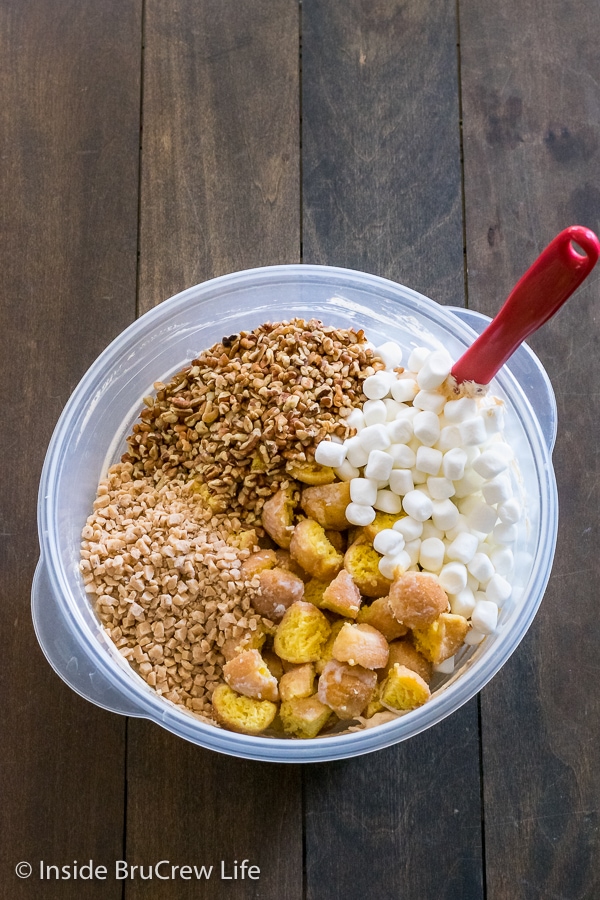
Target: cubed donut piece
314, 590
284, 561
248, 674
361, 645
362, 562
298, 682
327, 503
301, 634
310, 472
311, 549
379, 615
417, 599
336, 627
258, 562
441, 639
278, 516
239, 713
381, 521
403, 689
304, 717
405, 654
337, 539
249, 640
346, 689
277, 590
342, 596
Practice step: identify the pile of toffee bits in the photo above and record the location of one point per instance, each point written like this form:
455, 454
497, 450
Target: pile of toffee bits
173, 521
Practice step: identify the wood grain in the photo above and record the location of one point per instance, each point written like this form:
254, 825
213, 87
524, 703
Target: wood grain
220, 192
531, 99
69, 127
382, 192
381, 142
220, 161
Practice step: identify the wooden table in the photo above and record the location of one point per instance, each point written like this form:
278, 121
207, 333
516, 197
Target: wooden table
148, 146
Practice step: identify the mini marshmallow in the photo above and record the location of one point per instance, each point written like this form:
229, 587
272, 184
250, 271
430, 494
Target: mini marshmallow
503, 560
469, 484
388, 502
430, 400
404, 389
419, 477
463, 547
426, 427
509, 512
417, 505
458, 410
377, 386
374, 412
330, 453
417, 358
445, 667
413, 548
429, 460
374, 437
379, 466
484, 617
479, 515
388, 542
434, 370
472, 431
409, 528
390, 353
389, 564
493, 417
346, 472
474, 637
363, 491
490, 463
400, 430
453, 464
355, 453
449, 438
402, 456
392, 408
453, 577
355, 420
430, 530
463, 603
498, 490
498, 590
440, 488
359, 514
445, 514
431, 554
461, 526
481, 567
505, 534
401, 481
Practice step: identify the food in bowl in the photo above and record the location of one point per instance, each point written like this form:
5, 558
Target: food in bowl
302, 531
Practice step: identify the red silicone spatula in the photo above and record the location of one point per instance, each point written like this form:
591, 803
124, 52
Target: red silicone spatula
538, 294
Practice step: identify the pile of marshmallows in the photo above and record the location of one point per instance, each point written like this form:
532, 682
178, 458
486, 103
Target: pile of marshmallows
443, 464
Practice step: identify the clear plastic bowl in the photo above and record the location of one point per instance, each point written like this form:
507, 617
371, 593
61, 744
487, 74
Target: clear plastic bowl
91, 432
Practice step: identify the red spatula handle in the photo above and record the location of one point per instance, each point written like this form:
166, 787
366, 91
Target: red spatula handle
538, 294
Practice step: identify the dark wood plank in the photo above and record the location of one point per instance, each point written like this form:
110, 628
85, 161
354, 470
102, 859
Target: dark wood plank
381, 153
219, 193
382, 192
220, 142
69, 126
530, 100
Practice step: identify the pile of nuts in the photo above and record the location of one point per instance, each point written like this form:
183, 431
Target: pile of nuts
174, 521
